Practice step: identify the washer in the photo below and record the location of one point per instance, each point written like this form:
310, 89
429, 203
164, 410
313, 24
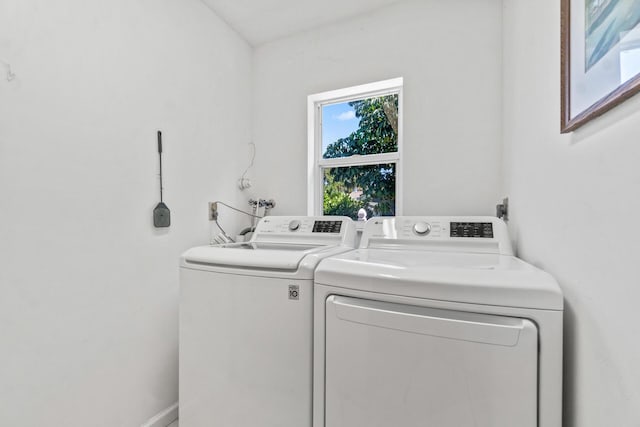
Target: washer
434, 322
246, 319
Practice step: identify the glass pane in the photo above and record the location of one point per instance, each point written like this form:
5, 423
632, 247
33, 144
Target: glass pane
364, 126
348, 190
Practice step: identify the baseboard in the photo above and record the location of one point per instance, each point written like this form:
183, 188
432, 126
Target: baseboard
164, 417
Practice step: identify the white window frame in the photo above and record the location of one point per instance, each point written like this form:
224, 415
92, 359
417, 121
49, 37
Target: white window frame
316, 163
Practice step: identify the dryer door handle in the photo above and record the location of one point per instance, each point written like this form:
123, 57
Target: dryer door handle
448, 324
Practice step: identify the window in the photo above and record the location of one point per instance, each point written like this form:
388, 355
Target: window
355, 141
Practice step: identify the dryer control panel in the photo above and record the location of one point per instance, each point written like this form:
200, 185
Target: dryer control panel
475, 234
483, 230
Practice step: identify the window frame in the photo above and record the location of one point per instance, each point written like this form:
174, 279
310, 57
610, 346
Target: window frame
316, 163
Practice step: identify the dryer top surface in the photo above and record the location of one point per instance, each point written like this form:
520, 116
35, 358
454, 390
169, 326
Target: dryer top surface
475, 278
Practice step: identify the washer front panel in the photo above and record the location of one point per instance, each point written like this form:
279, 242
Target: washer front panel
245, 350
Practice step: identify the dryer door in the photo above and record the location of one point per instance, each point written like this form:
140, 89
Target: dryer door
399, 365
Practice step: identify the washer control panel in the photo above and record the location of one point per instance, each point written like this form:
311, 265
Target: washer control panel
304, 229
327, 226
318, 226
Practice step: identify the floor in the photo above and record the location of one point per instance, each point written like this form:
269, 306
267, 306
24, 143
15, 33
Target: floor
173, 424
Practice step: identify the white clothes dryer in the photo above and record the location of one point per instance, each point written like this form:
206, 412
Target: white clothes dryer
434, 322
246, 319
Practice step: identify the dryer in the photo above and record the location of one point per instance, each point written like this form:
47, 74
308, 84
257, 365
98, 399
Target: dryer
246, 319
434, 322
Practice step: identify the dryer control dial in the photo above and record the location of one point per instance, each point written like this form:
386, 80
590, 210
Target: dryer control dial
421, 228
294, 225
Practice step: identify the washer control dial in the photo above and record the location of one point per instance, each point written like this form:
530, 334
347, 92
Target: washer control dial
294, 225
421, 228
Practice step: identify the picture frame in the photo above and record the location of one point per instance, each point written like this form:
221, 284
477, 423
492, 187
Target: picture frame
600, 58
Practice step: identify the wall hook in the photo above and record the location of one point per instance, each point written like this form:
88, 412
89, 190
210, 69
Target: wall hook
10, 74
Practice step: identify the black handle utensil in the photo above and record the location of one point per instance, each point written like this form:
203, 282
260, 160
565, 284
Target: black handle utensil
161, 213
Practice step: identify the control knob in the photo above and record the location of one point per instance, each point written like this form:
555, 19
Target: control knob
294, 225
421, 228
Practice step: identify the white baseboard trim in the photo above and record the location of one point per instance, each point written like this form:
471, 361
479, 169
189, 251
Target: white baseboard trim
164, 417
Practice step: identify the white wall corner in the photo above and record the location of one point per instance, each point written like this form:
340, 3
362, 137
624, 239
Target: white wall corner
164, 417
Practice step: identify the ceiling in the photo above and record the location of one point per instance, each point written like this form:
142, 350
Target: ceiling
261, 21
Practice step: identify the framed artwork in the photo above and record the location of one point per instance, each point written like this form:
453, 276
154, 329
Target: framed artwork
600, 62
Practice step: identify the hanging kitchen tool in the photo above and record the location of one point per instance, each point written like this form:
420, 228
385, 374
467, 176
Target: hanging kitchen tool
161, 213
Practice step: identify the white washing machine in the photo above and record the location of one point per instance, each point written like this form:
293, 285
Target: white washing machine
434, 322
246, 319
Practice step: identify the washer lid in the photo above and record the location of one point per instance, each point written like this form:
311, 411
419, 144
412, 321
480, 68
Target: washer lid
292, 245
252, 255
488, 279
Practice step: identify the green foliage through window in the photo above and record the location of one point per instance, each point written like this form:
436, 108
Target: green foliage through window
369, 187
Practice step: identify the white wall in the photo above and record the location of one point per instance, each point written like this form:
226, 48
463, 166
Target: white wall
574, 201
450, 55
88, 288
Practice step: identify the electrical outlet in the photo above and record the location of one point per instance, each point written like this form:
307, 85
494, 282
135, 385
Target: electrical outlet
213, 211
